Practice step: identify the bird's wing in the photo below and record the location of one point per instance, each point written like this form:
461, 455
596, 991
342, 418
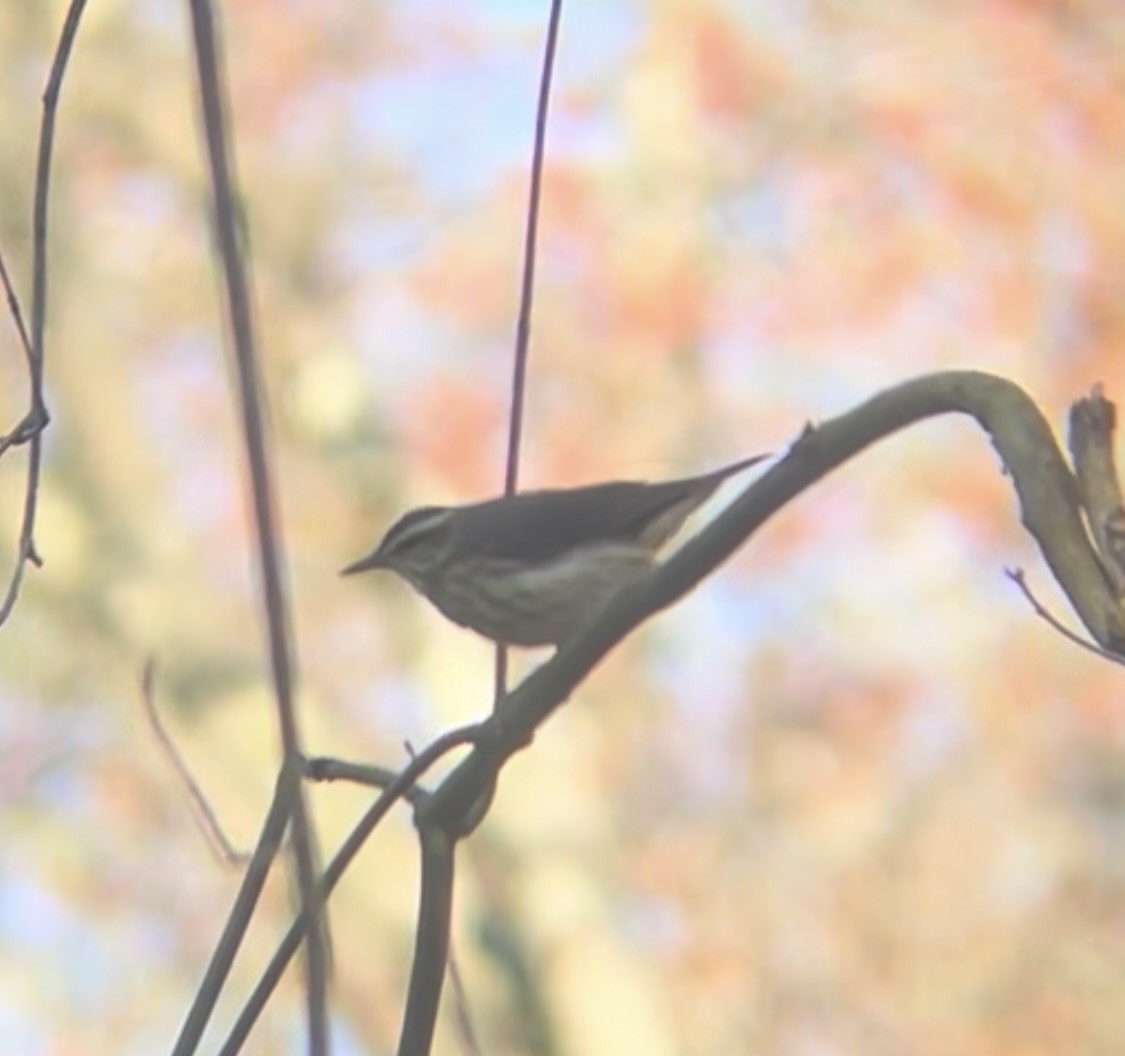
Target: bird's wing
535, 525
540, 524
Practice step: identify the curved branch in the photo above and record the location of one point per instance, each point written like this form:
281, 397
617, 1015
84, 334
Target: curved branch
201, 809
1049, 509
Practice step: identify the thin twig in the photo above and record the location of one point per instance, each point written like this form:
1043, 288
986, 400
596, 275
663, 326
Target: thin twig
324, 769
31, 429
1016, 575
14, 310
203, 811
531, 238
461, 1006
269, 546
411, 773
527, 293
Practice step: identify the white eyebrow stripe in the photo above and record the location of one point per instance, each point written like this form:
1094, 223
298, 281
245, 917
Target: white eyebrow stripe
406, 535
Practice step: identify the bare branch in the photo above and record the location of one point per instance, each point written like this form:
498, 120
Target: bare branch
431, 941
1048, 505
202, 810
30, 430
461, 1006
269, 843
531, 237
1016, 575
429, 945
382, 777
1093, 421
15, 311
527, 293
397, 790
269, 546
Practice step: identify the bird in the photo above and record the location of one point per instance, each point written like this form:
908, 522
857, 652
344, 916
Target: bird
531, 568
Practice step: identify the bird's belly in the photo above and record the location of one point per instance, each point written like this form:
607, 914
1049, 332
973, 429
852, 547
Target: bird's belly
545, 604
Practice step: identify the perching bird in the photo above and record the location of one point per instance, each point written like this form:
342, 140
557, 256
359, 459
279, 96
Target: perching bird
530, 569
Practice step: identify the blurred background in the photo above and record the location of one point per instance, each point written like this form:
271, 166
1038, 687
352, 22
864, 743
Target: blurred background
850, 796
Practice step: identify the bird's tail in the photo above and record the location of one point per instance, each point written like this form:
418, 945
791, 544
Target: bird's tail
721, 474
681, 498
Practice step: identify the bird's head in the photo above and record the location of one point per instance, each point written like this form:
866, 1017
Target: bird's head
414, 546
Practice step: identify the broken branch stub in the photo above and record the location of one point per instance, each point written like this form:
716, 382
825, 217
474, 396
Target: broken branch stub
1093, 421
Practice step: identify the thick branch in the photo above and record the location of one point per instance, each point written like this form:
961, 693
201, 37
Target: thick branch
1049, 509
431, 942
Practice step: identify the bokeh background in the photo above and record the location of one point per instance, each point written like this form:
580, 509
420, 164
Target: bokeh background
850, 797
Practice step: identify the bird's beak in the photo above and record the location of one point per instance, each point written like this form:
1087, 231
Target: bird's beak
365, 564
